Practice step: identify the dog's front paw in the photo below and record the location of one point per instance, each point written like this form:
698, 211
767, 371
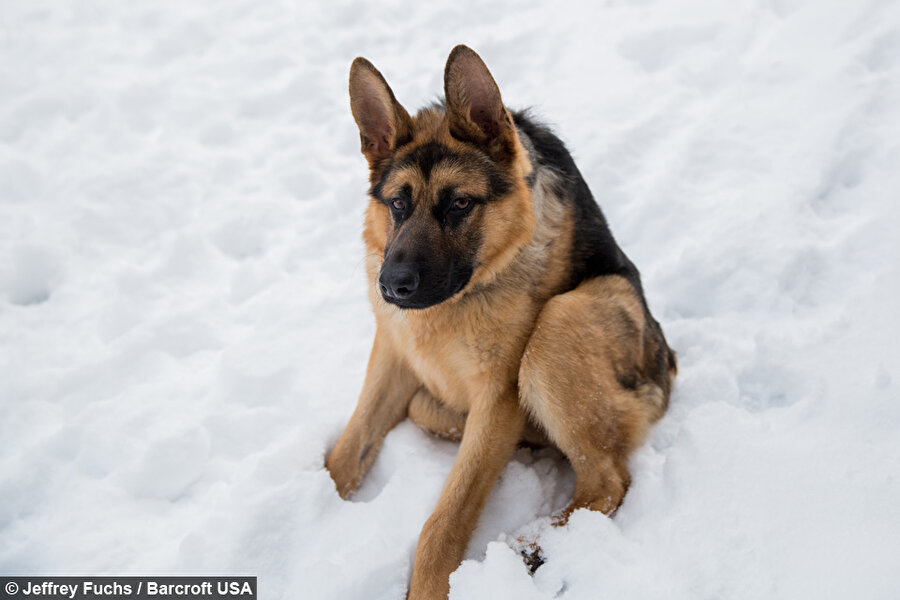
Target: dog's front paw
344, 466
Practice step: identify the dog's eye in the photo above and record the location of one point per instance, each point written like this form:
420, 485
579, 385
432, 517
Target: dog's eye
462, 203
399, 204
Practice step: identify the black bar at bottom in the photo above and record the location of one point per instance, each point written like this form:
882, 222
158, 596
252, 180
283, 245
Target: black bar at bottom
49, 587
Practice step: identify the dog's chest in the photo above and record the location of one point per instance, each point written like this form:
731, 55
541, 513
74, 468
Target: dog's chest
467, 352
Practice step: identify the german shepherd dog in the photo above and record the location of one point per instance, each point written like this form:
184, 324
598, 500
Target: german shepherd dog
505, 310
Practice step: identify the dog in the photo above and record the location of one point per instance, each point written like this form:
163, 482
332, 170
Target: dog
505, 311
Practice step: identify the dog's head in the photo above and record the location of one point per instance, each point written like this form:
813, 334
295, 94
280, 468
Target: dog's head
450, 206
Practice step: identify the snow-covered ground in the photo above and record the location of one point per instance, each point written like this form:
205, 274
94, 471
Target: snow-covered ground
184, 327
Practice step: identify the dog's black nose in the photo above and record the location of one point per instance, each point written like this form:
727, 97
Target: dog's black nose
398, 282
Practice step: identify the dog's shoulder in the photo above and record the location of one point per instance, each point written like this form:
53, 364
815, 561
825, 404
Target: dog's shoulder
556, 178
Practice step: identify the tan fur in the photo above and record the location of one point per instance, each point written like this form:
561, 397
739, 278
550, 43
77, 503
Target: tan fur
438, 419
578, 395
507, 351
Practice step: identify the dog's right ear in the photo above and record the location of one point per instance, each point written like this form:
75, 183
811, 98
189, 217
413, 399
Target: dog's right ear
382, 122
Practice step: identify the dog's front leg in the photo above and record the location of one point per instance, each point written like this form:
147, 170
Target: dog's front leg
493, 427
383, 403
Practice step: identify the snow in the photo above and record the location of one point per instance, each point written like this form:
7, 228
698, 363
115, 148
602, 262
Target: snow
184, 327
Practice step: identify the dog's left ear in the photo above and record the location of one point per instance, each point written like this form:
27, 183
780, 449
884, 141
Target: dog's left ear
475, 111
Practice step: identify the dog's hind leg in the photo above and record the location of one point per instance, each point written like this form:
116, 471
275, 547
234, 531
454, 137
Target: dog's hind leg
383, 403
595, 374
436, 418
